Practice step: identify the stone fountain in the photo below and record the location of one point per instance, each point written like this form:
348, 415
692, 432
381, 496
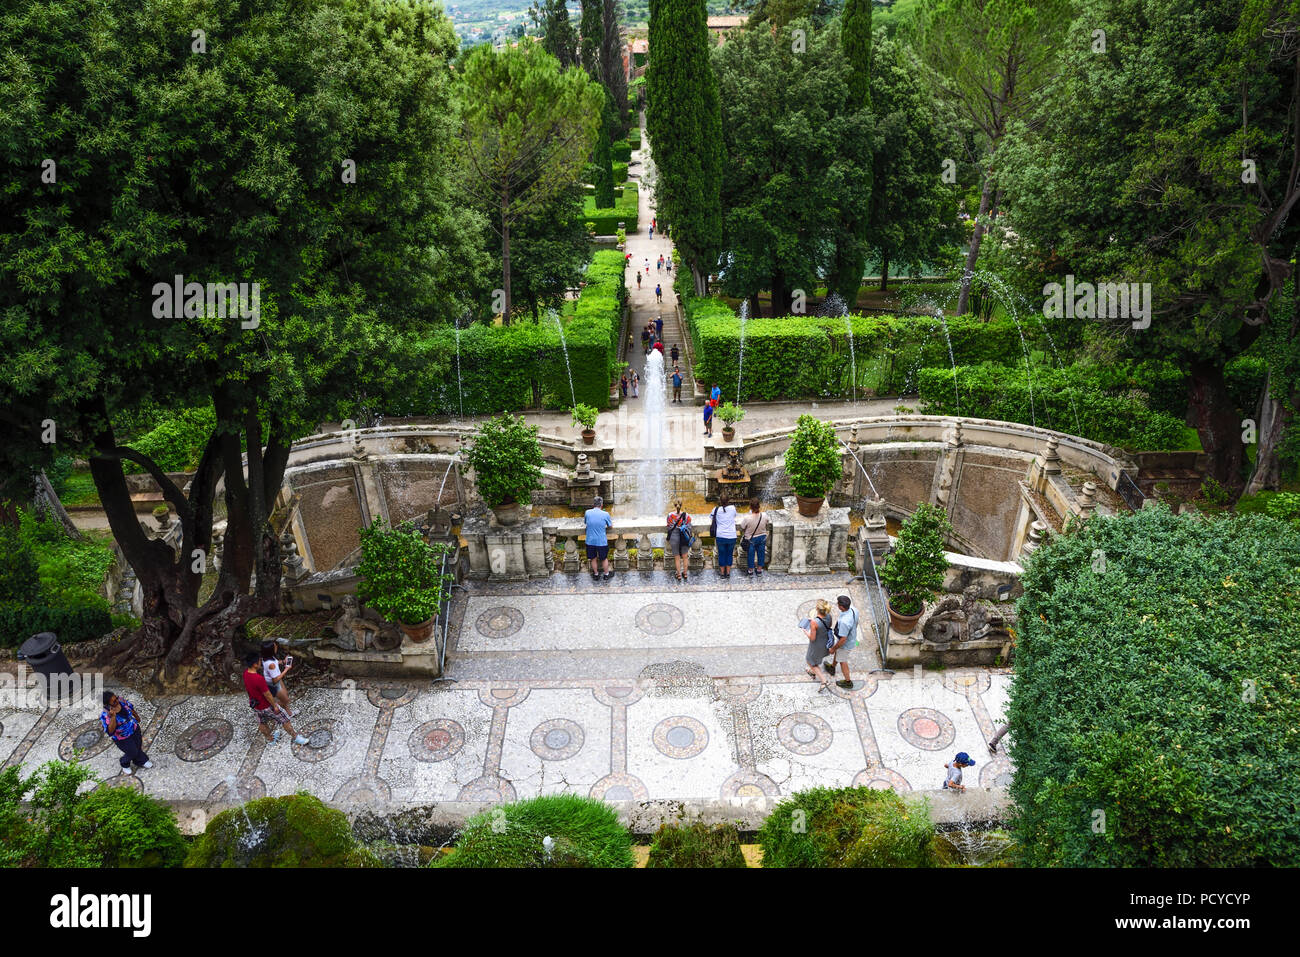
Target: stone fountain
732, 479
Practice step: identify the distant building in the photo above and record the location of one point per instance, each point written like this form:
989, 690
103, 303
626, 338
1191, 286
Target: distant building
721, 26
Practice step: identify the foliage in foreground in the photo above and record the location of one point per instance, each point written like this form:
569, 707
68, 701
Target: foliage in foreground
1155, 715
851, 827
696, 845
586, 833
297, 830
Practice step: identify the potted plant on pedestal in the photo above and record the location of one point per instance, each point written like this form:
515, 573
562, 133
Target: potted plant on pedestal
730, 414
812, 463
585, 416
401, 577
507, 462
914, 570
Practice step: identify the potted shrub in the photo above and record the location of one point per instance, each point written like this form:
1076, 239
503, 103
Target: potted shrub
585, 416
730, 414
914, 570
507, 462
401, 577
622, 237
160, 515
812, 463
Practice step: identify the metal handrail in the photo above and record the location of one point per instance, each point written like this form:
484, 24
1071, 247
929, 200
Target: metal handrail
879, 609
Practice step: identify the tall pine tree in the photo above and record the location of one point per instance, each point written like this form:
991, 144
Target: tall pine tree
685, 127
592, 37
851, 239
558, 38
612, 72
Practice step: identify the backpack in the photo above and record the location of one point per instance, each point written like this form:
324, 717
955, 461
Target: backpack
713, 525
687, 538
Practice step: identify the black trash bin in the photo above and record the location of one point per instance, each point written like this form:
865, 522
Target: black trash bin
44, 655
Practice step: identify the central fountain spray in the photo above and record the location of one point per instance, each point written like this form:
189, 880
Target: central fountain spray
650, 473
740, 370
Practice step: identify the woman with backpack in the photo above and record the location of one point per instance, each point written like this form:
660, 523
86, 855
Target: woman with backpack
724, 534
753, 536
680, 537
818, 629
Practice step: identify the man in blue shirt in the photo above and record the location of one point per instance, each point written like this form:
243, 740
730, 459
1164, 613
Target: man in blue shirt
677, 384
659, 328
846, 639
598, 525
120, 723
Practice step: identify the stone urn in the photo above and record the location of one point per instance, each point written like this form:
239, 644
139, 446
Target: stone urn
728, 433
809, 505
508, 513
421, 632
588, 436
903, 624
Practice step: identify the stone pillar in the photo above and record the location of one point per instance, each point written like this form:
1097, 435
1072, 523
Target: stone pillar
291, 560
1035, 540
549, 544
1087, 500
875, 533
696, 561
645, 556
571, 563
1048, 462
621, 561
534, 552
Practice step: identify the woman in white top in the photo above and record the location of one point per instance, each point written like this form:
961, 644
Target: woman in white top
725, 515
753, 535
636, 385
274, 674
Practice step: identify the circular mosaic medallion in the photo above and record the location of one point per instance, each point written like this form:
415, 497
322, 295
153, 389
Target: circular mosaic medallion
926, 729
436, 740
489, 788
881, 779
363, 790
619, 786
749, 784
804, 733
556, 740
390, 696
806, 609
324, 740
88, 737
204, 739
660, 618
680, 737
500, 621
131, 781
996, 773
243, 790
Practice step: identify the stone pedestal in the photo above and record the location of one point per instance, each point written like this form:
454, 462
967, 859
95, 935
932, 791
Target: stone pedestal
808, 546
505, 553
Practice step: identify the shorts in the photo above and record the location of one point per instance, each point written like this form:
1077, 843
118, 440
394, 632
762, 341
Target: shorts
274, 688
843, 653
598, 551
678, 545
271, 716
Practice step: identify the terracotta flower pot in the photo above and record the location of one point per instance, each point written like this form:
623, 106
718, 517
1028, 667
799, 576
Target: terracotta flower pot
421, 632
728, 434
809, 506
903, 624
588, 436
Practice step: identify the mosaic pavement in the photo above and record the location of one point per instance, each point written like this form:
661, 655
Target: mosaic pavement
640, 690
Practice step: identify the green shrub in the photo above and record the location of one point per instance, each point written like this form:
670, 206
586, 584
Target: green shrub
19, 577
54, 831
620, 177
621, 151
1161, 691
812, 460
1003, 393
696, 845
293, 831
914, 570
134, 829
605, 221
586, 832
849, 827
1284, 506
507, 460
176, 443
400, 573
18, 622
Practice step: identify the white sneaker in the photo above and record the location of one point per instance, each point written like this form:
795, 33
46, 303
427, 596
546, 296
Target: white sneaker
300, 740
148, 764
127, 769
276, 735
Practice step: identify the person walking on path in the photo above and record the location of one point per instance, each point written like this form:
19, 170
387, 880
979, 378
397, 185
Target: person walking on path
598, 525
263, 703
715, 394
680, 536
638, 279
677, 384
120, 723
953, 781
273, 671
652, 230
659, 327
654, 222
753, 535
645, 339
659, 293
817, 629
660, 265
724, 515
636, 385
675, 353
668, 264
997, 736
708, 419
647, 267
622, 385
846, 639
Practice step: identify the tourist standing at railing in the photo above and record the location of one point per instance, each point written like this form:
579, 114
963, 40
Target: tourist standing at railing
622, 384
636, 385
708, 419
724, 516
753, 536
680, 536
598, 525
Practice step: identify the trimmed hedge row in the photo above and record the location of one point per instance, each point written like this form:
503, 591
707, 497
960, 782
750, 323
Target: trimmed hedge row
621, 151
1058, 402
18, 622
625, 211
793, 357
499, 365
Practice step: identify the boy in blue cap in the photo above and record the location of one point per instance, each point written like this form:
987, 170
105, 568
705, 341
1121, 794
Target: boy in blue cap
953, 781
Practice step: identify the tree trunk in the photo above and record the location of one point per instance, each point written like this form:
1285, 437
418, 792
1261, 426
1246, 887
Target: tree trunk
701, 280
972, 256
1215, 420
505, 257
780, 294
51, 497
884, 270
1273, 421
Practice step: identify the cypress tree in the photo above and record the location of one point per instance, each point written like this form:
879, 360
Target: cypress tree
604, 164
611, 64
851, 240
592, 26
684, 122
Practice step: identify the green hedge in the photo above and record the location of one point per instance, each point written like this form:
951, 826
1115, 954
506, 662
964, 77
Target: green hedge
499, 364
585, 832
18, 622
634, 138
620, 177
696, 845
1159, 688
606, 220
1004, 393
794, 357
621, 151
